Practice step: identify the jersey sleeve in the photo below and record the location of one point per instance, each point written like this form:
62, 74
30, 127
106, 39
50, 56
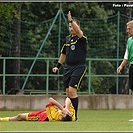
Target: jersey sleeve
126, 54
72, 111
63, 50
84, 38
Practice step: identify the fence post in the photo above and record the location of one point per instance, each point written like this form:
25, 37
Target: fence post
47, 76
89, 86
118, 44
4, 71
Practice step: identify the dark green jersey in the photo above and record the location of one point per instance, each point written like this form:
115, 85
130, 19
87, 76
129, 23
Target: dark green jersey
75, 50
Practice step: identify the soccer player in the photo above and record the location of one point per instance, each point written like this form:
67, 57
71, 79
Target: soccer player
128, 57
54, 112
73, 53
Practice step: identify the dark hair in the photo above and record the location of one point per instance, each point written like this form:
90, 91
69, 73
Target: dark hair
67, 118
77, 21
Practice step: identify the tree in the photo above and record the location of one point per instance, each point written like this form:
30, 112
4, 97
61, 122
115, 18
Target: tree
33, 25
16, 67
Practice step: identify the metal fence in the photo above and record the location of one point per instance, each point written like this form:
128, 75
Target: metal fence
107, 43
89, 77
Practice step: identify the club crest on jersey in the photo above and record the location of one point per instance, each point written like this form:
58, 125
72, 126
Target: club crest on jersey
72, 47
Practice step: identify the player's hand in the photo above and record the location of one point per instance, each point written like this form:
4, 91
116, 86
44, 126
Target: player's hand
69, 16
119, 69
65, 110
55, 69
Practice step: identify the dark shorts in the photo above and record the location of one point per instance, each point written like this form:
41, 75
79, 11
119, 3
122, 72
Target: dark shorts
131, 77
73, 75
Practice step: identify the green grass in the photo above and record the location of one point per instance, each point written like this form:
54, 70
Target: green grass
89, 120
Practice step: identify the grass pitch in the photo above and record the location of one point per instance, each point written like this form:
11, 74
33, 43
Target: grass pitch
88, 121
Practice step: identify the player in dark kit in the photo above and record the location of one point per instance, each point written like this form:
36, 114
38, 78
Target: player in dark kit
73, 53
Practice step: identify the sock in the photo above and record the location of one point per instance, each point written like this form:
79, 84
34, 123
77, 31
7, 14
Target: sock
4, 119
75, 105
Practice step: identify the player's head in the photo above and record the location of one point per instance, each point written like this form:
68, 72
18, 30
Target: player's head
130, 28
130, 23
66, 116
77, 21
70, 26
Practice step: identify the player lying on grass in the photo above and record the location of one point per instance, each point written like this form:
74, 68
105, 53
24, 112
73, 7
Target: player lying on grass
54, 112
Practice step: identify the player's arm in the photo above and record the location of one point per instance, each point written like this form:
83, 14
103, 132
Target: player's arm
76, 28
59, 63
62, 58
67, 104
56, 103
124, 62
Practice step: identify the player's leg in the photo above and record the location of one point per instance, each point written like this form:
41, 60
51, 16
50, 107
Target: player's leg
131, 78
71, 92
67, 92
74, 84
131, 81
74, 99
66, 79
19, 117
4, 119
131, 120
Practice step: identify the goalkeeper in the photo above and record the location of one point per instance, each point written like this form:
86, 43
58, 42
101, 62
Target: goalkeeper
54, 112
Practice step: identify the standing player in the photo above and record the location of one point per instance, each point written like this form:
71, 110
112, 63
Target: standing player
73, 53
128, 57
54, 112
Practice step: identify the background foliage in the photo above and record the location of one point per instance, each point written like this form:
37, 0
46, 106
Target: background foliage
25, 25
